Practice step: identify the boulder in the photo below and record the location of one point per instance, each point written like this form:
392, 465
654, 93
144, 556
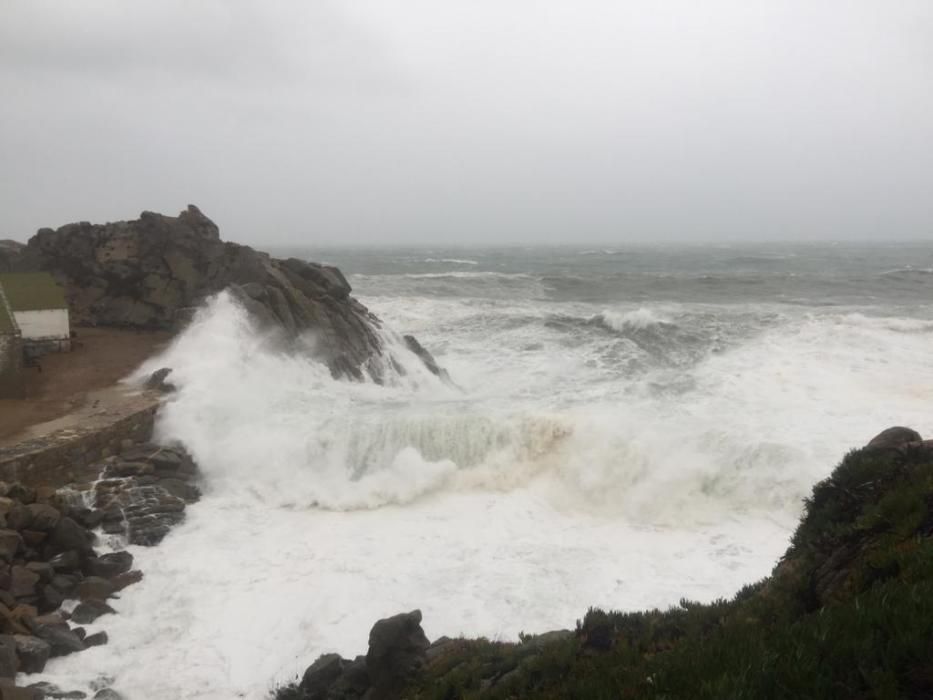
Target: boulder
109, 565
894, 438
24, 582
43, 517
69, 536
157, 381
33, 653
8, 661
66, 562
128, 579
320, 676
97, 639
88, 611
397, 649
10, 543
94, 588
60, 638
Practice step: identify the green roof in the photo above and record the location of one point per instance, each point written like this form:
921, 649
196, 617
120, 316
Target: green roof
32, 291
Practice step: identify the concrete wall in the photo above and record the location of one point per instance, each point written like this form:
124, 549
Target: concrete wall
12, 384
42, 325
73, 456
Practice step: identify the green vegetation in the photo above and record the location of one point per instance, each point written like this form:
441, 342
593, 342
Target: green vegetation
847, 613
32, 291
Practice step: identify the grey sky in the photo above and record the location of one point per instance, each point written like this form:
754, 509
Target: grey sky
476, 121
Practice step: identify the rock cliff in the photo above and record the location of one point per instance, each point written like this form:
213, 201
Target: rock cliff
150, 273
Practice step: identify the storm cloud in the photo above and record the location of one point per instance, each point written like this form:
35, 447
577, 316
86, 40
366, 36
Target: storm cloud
432, 121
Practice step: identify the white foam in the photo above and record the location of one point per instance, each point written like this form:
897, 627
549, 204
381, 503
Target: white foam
639, 319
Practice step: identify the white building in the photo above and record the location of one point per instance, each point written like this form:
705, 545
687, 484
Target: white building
40, 310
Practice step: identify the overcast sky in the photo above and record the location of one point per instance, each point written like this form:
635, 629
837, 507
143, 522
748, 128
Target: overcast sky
475, 121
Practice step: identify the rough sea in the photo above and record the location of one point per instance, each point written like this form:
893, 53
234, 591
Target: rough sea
630, 426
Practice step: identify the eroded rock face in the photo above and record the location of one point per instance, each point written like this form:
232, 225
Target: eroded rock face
150, 273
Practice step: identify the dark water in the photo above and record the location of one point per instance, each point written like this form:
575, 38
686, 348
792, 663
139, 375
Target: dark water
895, 277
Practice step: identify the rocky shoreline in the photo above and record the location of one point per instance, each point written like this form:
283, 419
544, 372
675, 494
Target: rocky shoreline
53, 580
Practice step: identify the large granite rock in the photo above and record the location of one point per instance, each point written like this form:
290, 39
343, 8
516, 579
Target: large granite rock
151, 272
398, 648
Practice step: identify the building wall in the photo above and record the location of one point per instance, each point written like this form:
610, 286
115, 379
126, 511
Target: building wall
11, 367
45, 324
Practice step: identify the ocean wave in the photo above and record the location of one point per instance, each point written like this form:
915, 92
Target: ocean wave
907, 271
452, 261
469, 275
639, 320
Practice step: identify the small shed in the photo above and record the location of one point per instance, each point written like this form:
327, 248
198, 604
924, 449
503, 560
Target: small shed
11, 353
39, 309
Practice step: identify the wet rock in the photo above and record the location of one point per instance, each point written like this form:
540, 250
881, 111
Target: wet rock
8, 662
180, 489
53, 692
60, 638
69, 536
22, 493
33, 653
107, 694
158, 381
128, 579
320, 676
66, 562
43, 517
397, 649
109, 565
10, 543
88, 611
94, 588
42, 569
122, 470
33, 538
894, 438
50, 598
19, 517
23, 582
98, 639
64, 583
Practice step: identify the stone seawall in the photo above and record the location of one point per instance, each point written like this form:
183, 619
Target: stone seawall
71, 454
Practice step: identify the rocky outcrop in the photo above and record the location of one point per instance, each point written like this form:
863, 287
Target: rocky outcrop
48, 557
151, 272
398, 649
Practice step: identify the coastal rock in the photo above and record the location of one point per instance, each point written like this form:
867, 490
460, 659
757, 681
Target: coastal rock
60, 638
94, 588
33, 653
397, 649
150, 272
894, 438
89, 610
157, 381
8, 662
109, 565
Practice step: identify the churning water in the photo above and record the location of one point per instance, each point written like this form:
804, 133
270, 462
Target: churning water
629, 427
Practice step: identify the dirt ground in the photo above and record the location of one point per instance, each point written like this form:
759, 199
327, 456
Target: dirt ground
99, 358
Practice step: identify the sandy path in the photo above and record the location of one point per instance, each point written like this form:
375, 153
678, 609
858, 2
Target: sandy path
100, 358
